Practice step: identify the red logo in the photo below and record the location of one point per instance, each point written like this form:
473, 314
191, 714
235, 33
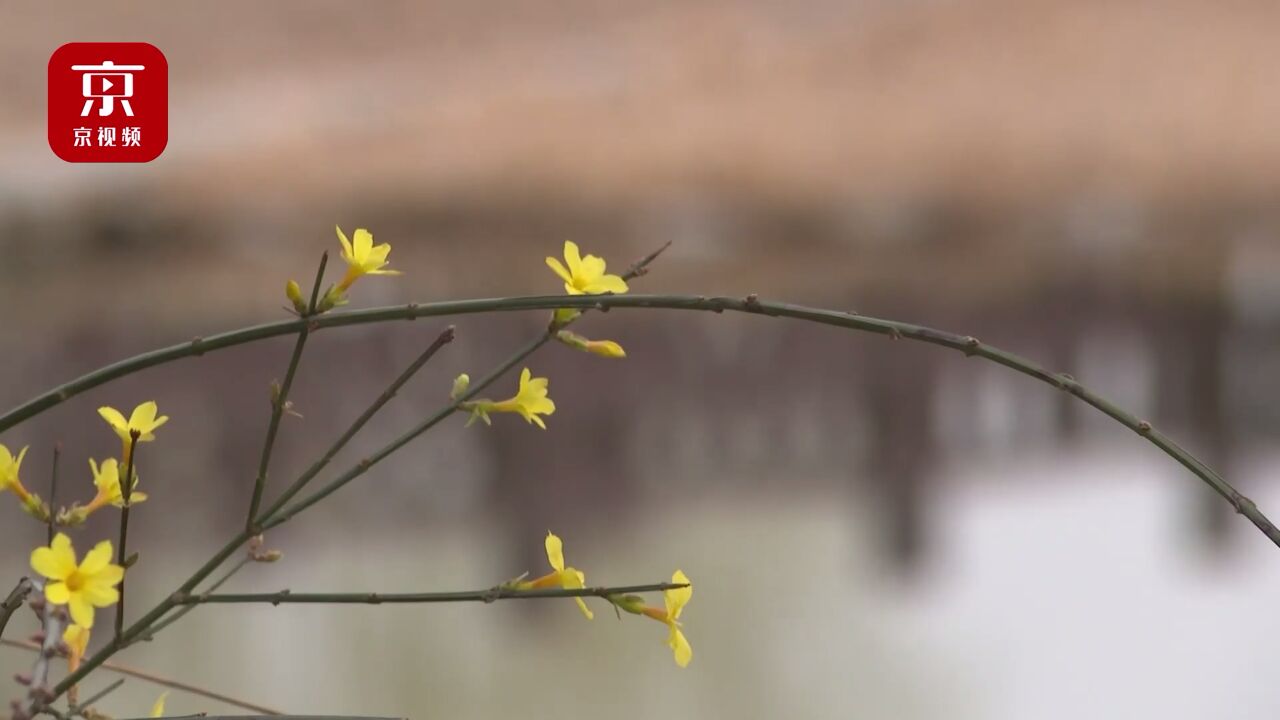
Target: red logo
108, 102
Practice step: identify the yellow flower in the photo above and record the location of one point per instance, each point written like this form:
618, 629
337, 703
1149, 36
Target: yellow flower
81, 587
675, 600
603, 348
362, 257
157, 710
9, 480
530, 401
561, 576
107, 479
76, 638
585, 275
143, 420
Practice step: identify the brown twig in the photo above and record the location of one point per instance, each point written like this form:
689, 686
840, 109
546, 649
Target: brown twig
16, 597
162, 681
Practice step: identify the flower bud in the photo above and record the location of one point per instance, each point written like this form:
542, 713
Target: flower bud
606, 348
460, 385
333, 297
603, 348
36, 508
572, 339
633, 604
294, 293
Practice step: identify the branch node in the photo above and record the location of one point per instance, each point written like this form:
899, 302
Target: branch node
895, 333
196, 342
412, 311
752, 303
1144, 428
971, 345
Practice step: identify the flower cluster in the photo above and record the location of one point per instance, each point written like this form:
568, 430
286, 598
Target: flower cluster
571, 578
85, 585
582, 276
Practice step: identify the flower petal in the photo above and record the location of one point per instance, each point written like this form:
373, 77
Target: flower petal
346, 245
116, 421
81, 611
57, 561
592, 268
143, 416
555, 551
608, 283
559, 269
57, 593
582, 605
157, 710
97, 559
680, 647
99, 595
572, 258
363, 243
678, 598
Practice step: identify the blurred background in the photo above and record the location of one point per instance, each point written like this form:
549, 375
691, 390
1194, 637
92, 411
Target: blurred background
875, 529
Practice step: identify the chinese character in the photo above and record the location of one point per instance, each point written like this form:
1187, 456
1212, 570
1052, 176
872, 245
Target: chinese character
106, 137
131, 137
106, 82
82, 137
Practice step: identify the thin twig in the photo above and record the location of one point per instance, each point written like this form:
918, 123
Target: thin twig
162, 681
96, 697
445, 337
485, 596
176, 616
280, 398
360, 468
16, 597
53, 491
126, 492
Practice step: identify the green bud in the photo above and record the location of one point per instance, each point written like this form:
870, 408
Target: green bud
633, 604
460, 385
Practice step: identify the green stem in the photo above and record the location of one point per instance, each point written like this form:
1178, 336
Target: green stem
751, 305
53, 493
280, 398
178, 615
285, 597
126, 493
282, 516
78, 708
443, 339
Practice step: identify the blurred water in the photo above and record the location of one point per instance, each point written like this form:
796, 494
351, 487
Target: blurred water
1064, 585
